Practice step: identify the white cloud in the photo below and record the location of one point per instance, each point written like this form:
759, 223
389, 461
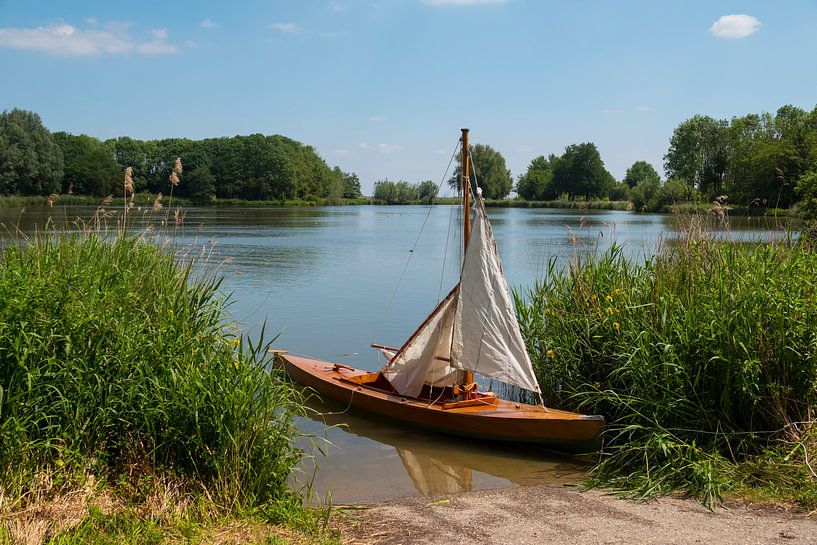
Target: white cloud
337, 7
735, 26
383, 149
208, 24
387, 149
156, 47
159, 45
377, 118
643, 109
461, 2
288, 28
90, 20
64, 39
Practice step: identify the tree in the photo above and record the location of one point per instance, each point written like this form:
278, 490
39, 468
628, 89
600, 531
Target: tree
643, 194
537, 182
807, 189
698, 154
200, 185
400, 192
31, 163
640, 170
351, 186
489, 170
427, 192
90, 168
580, 171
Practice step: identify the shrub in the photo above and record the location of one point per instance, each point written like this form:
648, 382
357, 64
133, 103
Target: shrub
703, 360
113, 357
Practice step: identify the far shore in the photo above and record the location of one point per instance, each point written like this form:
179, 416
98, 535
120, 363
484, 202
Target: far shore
147, 199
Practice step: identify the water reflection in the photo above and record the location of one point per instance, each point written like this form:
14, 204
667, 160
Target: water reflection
368, 459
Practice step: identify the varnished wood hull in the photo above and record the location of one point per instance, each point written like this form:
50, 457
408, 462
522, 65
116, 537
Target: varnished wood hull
505, 421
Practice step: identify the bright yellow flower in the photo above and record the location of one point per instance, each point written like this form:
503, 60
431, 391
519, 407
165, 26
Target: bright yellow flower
609, 310
616, 326
608, 299
551, 355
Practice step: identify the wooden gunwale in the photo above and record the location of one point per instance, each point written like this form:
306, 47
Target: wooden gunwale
503, 421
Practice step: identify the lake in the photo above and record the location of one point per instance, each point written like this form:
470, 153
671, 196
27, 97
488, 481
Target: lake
331, 280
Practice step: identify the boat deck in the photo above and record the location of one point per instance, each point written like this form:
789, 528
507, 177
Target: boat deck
495, 419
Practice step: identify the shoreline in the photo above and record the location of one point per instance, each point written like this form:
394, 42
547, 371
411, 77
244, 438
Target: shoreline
147, 199
545, 514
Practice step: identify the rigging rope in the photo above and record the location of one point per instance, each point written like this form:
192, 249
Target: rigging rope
414, 247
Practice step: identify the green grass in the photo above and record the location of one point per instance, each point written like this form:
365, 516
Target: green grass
703, 361
119, 366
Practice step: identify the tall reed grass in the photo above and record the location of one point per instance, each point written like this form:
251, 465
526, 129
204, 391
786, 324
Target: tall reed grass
703, 360
116, 362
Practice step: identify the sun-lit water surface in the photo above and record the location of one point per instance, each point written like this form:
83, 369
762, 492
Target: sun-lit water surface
331, 280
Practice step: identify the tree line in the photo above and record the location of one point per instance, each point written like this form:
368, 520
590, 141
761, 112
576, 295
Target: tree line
403, 192
34, 161
764, 160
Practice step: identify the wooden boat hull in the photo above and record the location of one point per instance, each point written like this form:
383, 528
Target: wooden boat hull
503, 421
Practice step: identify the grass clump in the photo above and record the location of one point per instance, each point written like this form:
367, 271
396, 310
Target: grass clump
116, 365
703, 360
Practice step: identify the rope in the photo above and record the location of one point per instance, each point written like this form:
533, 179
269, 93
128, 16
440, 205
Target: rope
344, 411
474, 169
411, 252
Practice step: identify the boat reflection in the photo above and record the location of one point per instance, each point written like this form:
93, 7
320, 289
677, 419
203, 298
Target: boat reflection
370, 459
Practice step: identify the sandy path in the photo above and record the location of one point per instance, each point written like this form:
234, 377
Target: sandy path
542, 515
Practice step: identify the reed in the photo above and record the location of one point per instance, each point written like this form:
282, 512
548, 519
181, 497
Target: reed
703, 359
117, 362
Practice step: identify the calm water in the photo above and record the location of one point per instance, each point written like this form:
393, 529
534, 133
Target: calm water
331, 280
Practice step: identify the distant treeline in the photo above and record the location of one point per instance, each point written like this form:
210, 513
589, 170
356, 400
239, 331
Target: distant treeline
403, 192
758, 160
256, 167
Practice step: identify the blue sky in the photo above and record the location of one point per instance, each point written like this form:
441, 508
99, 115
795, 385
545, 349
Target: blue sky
382, 88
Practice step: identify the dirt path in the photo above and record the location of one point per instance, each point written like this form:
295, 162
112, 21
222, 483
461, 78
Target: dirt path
543, 515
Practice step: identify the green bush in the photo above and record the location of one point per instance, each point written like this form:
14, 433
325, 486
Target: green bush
703, 361
113, 357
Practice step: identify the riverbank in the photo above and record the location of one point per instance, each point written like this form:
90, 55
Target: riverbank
544, 514
149, 199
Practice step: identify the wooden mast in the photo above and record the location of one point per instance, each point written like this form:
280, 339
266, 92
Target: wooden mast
466, 190
466, 223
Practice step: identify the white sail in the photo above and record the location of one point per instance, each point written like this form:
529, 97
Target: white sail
473, 329
486, 333
424, 359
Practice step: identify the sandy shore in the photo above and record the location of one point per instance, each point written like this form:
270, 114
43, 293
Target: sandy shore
544, 514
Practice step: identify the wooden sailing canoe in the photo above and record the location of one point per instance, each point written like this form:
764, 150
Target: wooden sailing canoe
495, 419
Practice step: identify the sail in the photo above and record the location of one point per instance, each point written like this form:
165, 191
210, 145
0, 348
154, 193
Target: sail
486, 337
424, 359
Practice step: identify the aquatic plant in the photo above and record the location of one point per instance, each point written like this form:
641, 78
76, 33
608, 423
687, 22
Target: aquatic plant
703, 359
116, 362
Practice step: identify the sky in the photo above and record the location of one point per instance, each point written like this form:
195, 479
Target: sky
382, 88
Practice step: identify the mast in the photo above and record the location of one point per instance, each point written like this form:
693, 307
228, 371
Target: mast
466, 190
466, 222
